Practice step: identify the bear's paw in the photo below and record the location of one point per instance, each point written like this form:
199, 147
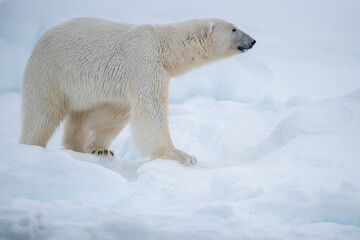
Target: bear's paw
181, 157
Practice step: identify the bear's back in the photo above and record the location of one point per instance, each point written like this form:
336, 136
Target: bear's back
82, 35
100, 56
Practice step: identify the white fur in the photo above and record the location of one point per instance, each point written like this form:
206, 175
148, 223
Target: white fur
100, 75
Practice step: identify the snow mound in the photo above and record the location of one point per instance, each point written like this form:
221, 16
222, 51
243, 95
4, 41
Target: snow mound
315, 119
322, 118
31, 172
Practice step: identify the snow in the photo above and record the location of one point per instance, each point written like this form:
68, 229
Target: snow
276, 132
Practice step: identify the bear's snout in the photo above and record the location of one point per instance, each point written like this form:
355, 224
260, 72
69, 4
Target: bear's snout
246, 44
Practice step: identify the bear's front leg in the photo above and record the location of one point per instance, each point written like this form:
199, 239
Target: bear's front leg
150, 128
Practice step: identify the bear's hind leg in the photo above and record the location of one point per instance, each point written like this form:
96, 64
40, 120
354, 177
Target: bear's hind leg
75, 135
104, 124
93, 131
40, 119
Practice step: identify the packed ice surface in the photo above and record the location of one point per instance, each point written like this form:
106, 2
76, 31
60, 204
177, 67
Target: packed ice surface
276, 132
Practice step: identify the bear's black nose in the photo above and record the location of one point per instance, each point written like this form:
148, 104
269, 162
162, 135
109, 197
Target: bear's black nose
253, 43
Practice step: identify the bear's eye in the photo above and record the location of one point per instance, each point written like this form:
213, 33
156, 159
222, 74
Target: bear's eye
234, 30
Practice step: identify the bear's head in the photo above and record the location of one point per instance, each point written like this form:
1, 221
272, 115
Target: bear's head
201, 41
225, 39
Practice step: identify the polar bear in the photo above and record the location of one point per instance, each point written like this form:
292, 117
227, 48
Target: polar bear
100, 75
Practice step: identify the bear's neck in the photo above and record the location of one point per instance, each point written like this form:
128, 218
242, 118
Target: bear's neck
182, 50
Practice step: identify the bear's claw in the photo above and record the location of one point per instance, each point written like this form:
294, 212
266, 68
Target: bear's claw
103, 152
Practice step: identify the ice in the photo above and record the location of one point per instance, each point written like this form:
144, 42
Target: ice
276, 133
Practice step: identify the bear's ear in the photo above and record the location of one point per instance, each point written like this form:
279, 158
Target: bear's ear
208, 28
